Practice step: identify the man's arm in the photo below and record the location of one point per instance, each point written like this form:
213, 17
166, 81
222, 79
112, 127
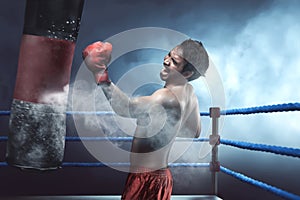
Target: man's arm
126, 106
118, 100
96, 57
137, 106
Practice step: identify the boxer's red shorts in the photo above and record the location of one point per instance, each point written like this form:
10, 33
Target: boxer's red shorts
153, 185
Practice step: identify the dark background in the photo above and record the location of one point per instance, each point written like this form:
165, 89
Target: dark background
209, 21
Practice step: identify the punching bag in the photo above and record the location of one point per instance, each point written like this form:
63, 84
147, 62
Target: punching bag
37, 124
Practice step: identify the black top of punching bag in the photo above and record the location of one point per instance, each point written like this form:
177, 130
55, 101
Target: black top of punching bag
53, 18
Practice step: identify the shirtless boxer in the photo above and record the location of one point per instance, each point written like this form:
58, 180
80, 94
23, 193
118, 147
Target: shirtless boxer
169, 112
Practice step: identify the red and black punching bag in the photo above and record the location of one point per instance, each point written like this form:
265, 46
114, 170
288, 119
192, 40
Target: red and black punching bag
37, 125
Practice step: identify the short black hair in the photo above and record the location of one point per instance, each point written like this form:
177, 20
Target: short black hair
196, 57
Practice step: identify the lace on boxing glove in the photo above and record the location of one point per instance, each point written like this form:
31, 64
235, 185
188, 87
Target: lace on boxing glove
102, 78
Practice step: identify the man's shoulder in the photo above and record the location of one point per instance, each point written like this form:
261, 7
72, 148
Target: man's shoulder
166, 97
163, 93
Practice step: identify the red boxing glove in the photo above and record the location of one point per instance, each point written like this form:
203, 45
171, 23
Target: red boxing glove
96, 57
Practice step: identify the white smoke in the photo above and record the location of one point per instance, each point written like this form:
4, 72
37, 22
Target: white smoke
262, 67
56, 98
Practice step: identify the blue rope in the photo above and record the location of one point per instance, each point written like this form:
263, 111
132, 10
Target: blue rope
239, 176
293, 152
93, 164
244, 111
89, 113
4, 112
99, 164
120, 139
3, 138
102, 113
188, 165
260, 184
262, 147
263, 109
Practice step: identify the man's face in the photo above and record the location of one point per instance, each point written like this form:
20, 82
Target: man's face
173, 64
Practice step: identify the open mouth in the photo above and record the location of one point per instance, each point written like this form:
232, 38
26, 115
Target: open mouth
164, 71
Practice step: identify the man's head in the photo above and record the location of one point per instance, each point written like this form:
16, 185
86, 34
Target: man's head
195, 55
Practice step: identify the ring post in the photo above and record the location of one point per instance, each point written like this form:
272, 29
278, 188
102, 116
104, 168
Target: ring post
214, 141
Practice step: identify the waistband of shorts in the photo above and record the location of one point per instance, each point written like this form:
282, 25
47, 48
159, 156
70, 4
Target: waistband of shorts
149, 170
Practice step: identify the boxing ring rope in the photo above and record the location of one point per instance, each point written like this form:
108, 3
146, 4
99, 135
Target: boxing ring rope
286, 151
100, 164
293, 152
214, 140
286, 107
277, 191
